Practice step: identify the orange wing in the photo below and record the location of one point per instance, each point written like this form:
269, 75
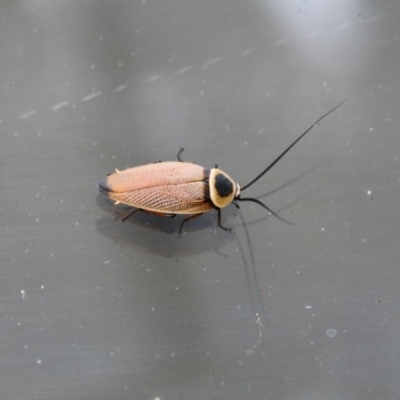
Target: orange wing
166, 187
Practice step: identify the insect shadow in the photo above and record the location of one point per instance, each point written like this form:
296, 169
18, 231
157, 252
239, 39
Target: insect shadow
155, 235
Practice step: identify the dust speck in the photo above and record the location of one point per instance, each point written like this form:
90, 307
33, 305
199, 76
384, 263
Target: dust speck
331, 333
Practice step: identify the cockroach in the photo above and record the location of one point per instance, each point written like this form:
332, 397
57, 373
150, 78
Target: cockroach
178, 187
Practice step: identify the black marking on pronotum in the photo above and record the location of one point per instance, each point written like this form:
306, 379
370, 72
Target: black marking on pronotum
223, 186
180, 187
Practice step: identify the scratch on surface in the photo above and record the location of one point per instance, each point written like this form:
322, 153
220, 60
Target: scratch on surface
374, 18
211, 62
27, 114
281, 42
259, 326
153, 78
120, 88
60, 105
246, 52
185, 69
92, 96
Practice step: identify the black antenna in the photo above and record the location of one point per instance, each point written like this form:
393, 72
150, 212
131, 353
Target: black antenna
274, 162
267, 208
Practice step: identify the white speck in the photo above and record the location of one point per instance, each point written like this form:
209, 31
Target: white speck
91, 96
331, 333
27, 114
42, 287
121, 64
38, 360
93, 66
308, 307
371, 129
106, 262
281, 42
364, 240
209, 63
369, 193
153, 78
322, 229
23, 294
59, 105
120, 88
185, 69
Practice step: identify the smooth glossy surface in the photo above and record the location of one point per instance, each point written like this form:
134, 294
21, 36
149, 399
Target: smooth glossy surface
93, 308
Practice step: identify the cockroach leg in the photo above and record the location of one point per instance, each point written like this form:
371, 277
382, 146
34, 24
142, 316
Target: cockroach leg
149, 212
236, 204
186, 220
179, 154
131, 213
219, 221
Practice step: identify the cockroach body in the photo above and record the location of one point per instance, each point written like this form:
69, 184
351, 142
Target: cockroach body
178, 187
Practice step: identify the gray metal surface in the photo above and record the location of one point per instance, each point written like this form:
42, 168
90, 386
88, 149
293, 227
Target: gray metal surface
93, 308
